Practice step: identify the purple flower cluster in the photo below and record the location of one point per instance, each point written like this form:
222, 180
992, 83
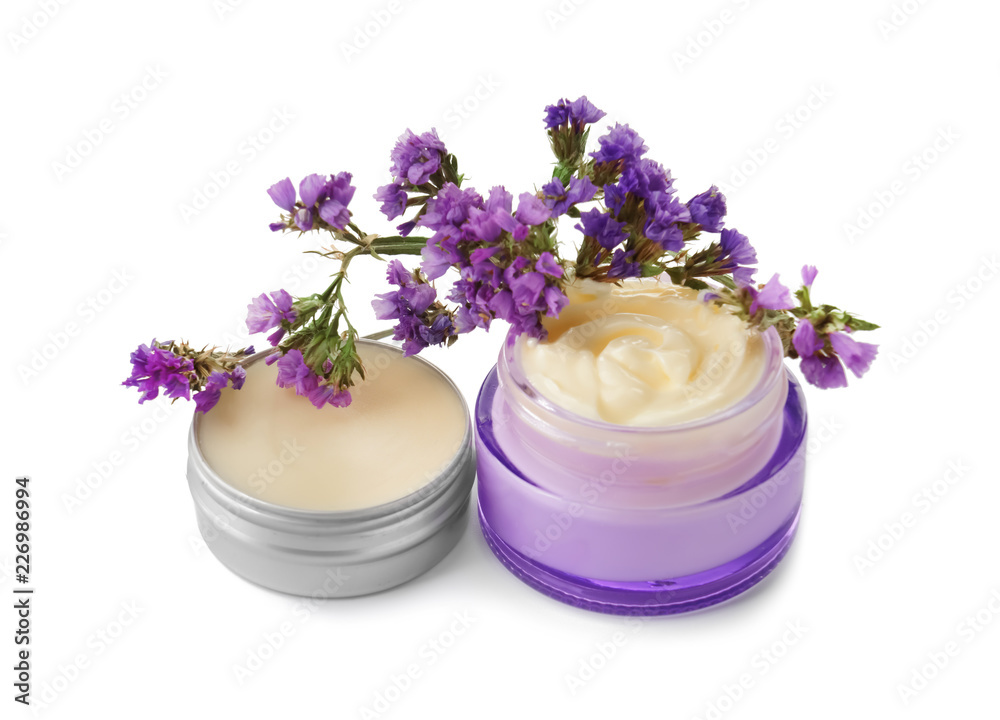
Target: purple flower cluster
420, 319
576, 114
155, 367
708, 209
773, 295
294, 372
501, 274
264, 313
822, 357
415, 160
326, 198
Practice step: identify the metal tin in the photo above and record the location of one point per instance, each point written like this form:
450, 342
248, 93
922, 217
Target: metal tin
326, 553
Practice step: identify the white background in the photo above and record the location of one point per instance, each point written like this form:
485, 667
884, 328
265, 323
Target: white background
885, 86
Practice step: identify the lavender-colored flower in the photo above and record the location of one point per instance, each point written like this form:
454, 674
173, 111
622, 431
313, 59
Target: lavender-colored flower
527, 290
823, 371
665, 212
304, 219
238, 375
439, 254
155, 368
207, 398
325, 393
773, 296
809, 275
393, 199
857, 356
614, 197
623, 265
293, 372
414, 306
806, 340
621, 143
736, 255
450, 208
607, 231
499, 200
646, 177
708, 209
334, 198
548, 265
531, 210
283, 194
578, 113
311, 189
559, 198
416, 157
264, 313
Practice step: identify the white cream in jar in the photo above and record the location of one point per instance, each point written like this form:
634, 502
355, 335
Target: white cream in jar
643, 354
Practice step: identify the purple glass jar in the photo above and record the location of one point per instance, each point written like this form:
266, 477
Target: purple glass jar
640, 520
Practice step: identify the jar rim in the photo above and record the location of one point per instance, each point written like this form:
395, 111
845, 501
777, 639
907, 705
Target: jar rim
438, 484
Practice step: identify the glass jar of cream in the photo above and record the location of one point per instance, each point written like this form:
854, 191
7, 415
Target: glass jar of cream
334, 502
647, 458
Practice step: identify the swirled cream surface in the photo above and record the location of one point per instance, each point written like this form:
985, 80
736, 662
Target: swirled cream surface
645, 353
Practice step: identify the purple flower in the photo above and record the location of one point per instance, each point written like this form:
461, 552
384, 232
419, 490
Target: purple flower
555, 300
397, 274
207, 398
805, 339
578, 113
527, 291
548, 265
293, 372
603, 228
499, 199
393, 199
644, 178
412, 305
621, 143
155, 368
559, 199
858, 356
773, 296
334, 198
823, 371
661, 226
623, 265
450, 208
708, 209
239, 374
304, 219
809, 275
531, 210
311, 189
439, 254
416, 157
283, 194
264, 313
324, 394
614, 197
736, 254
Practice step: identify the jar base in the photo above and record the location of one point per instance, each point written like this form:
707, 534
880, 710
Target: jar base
654, 597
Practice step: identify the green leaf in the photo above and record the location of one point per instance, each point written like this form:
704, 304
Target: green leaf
859, 324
